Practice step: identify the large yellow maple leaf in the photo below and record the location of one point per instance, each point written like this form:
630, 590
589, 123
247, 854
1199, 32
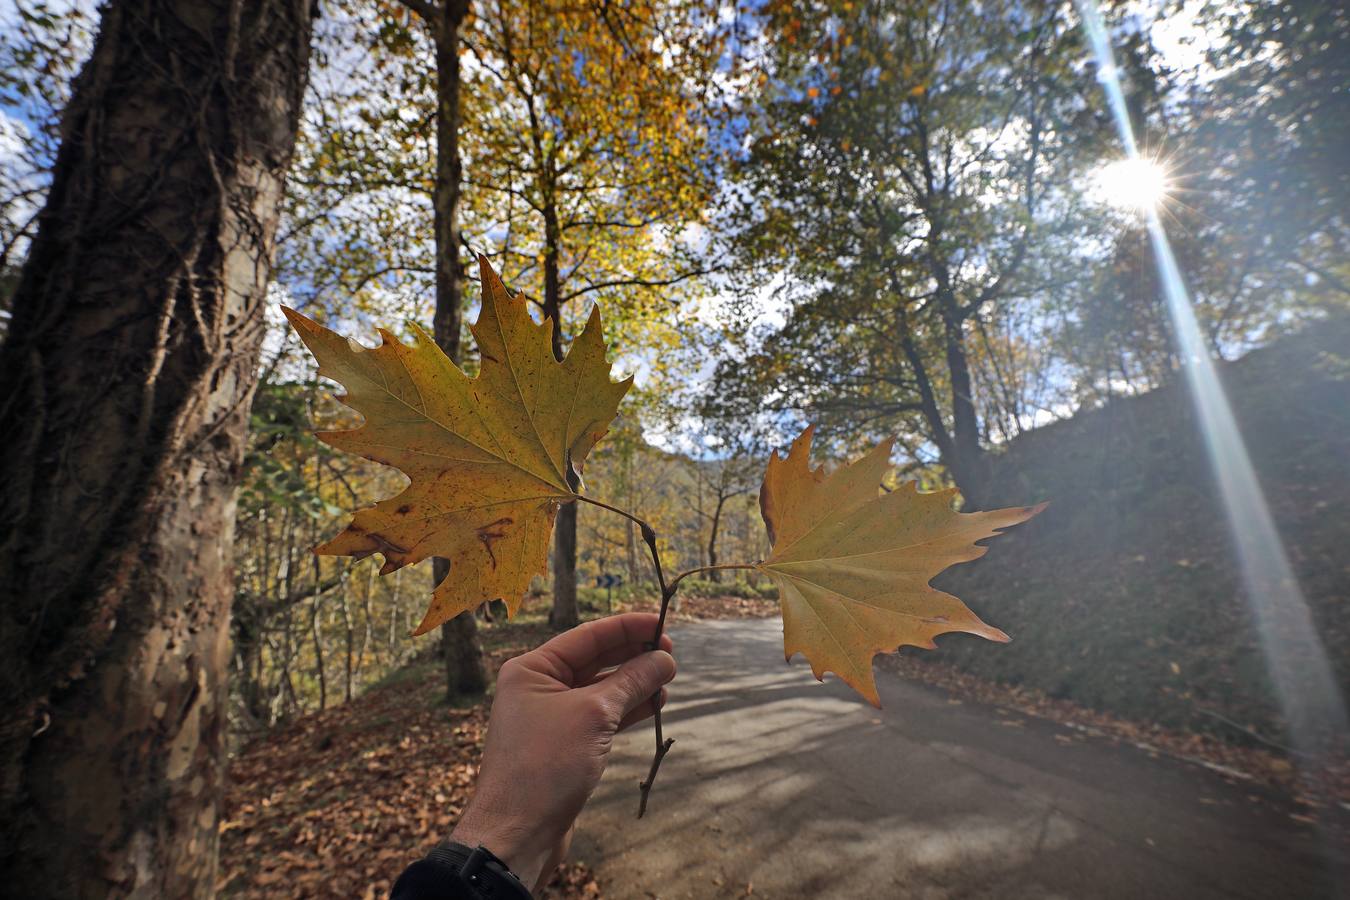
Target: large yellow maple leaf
488, 458
852, 564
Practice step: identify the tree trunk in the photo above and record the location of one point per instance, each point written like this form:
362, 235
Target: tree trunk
395, 604
292, 702
445, 200
465, 674
248, 669
959, 448
128, 371
316, 635
368, 615
715, 574
460, 647
315, 628
349, 630
565, 613
966, 459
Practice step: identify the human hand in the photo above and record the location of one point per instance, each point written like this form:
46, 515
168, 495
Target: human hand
553, 722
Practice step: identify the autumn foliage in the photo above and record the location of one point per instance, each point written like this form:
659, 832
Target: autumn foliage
852, 565
491, 459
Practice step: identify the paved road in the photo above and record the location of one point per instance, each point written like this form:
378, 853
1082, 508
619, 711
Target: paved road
804, 791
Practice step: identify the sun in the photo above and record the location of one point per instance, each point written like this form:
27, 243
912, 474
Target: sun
1137, 184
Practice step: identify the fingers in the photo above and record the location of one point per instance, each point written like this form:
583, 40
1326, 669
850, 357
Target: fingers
643, 712
633, 683
614, 657
574, 656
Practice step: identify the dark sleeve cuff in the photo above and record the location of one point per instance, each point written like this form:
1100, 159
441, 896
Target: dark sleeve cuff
427, 880
454, 872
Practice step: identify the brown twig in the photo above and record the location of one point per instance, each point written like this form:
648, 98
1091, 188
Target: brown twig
663, 743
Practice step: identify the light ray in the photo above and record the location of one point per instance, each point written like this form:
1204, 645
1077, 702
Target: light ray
1306, 688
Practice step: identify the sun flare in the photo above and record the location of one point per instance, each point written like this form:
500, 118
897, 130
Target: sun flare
1137, 184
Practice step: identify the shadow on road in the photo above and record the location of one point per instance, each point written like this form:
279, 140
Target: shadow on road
802, 790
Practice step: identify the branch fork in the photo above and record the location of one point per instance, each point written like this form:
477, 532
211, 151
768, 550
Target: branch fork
663, 743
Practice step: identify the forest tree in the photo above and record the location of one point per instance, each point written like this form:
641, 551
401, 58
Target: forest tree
129, 370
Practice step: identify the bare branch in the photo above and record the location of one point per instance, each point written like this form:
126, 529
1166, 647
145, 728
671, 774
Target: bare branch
636, 282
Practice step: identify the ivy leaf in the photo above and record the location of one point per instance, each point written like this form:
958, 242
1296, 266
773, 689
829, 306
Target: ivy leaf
489, 458
852, 564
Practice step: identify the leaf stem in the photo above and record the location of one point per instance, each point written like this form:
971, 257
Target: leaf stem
614, 509
718, 567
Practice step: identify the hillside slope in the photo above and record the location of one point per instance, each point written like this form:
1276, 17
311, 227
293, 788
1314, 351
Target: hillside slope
1125, 594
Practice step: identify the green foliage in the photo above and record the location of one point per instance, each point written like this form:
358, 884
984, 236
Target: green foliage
280, 419
910, 168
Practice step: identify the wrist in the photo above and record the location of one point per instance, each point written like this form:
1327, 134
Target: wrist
523, 847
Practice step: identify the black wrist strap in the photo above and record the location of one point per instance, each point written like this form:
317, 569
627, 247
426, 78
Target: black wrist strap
483, 874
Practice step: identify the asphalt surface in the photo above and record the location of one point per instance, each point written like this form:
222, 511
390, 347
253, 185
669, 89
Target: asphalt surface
788, 788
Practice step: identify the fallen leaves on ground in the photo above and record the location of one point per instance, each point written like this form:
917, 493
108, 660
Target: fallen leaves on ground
852, 564
1232, 761
699, 609
489, 458
338, 803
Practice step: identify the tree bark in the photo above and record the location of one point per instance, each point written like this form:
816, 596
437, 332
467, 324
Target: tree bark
449, 172
315, 629
368, 614
565, 612
715, 574
958, 448
316, 635
460, 647
248, 671
465, 674
129, 369
349, 644
967, 461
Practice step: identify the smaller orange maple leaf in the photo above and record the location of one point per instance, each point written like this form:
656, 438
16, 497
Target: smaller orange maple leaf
852, 564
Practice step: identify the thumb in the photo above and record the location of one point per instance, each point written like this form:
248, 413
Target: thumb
634, 682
